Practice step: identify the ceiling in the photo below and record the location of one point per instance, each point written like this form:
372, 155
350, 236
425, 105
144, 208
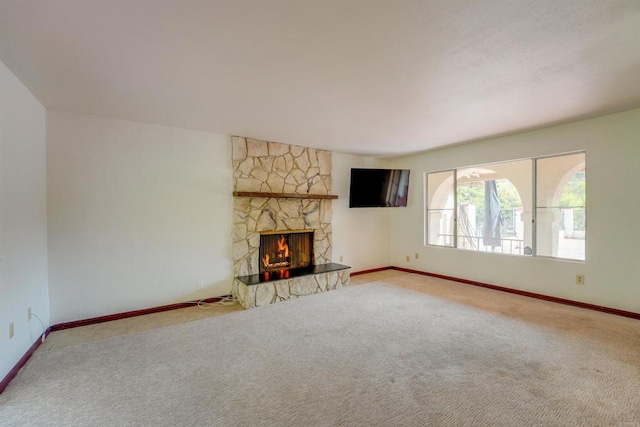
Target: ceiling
373, 77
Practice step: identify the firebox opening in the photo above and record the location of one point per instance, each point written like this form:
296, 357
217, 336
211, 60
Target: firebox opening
281, 251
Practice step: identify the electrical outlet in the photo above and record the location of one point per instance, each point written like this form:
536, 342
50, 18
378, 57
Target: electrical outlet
29, 314
408, 258
10, 330
341, 258
417, 255
199, 285
579, 279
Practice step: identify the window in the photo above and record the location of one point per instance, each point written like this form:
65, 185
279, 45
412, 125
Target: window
561, 202
440, 208
490, 208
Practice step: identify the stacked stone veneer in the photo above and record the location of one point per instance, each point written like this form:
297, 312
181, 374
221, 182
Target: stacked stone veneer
282, 290
261, 166
279, 168
271, 167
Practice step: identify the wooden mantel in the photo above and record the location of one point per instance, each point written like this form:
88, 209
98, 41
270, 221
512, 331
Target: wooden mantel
283, 195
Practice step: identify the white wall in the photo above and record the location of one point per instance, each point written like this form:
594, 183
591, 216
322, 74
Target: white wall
612, 266
360, 235
138, 214
23, 221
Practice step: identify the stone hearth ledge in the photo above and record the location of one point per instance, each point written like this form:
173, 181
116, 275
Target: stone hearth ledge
256, 295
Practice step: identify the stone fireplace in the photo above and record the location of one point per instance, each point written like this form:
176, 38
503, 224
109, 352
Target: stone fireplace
282, 198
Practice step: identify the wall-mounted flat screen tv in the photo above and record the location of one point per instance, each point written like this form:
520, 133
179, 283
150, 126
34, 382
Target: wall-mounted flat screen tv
375, 188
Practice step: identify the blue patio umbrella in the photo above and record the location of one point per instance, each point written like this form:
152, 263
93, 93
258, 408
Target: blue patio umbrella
492, 222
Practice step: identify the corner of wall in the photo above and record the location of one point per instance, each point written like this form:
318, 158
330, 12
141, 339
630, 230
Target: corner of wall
23, 220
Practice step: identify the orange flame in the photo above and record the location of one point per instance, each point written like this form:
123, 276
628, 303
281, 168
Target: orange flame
282, 246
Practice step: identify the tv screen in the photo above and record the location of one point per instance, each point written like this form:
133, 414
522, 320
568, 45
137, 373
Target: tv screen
373, 188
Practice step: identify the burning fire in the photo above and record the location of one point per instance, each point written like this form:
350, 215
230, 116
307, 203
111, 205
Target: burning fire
283, 247
281, 255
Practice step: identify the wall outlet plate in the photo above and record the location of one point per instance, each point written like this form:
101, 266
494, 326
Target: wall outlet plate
11, 330
29, 313
579, 279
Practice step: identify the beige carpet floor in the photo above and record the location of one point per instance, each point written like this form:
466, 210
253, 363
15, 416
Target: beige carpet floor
370, 355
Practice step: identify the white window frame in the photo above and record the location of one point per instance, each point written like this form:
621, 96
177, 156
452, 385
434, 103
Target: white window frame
534, 207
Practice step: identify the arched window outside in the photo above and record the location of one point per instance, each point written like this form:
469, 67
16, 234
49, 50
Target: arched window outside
490, 216
440, 208
490, 208
561, 206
